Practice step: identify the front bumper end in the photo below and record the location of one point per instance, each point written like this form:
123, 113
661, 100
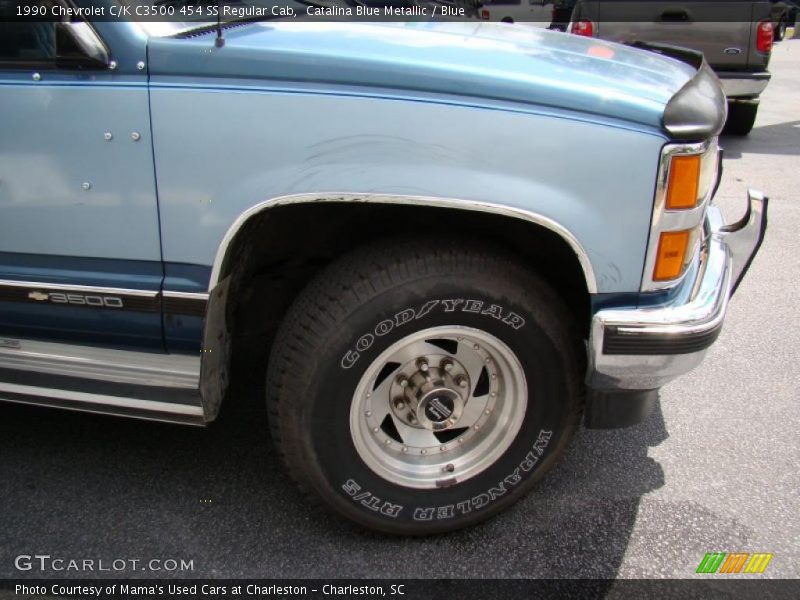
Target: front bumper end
634, 351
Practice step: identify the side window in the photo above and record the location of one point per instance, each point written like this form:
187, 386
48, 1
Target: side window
68, 44
26, 41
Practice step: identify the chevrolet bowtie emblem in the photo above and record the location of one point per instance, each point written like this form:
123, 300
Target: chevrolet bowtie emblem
38, 296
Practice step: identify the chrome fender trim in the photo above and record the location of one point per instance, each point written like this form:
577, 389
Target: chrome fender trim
453, 203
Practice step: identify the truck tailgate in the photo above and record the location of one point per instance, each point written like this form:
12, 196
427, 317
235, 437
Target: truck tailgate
722, 31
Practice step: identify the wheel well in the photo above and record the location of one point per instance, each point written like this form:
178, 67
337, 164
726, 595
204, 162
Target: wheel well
278, 251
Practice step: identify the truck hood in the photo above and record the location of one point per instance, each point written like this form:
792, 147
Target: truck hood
497, 62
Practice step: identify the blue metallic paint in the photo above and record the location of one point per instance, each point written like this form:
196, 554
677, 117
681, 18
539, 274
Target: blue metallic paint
79, 325
52, 143
99, 272
53, 230
184, 333
367, 145
379, 103
470, 60
186, 278
385, 108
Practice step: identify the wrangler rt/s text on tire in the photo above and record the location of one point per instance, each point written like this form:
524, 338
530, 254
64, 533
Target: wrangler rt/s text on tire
422, 387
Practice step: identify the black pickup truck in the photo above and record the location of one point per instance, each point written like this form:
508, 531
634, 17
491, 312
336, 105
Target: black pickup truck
736, 38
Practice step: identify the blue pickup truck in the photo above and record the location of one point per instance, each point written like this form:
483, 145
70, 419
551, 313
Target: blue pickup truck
456, 242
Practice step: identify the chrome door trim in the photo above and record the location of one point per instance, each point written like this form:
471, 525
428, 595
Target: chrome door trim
80, 296
186, 295
454, 203
103, 364
189, 303
148, 410
78, 288
101, 399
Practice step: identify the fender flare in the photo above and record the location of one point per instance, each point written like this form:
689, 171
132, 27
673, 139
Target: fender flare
407, 200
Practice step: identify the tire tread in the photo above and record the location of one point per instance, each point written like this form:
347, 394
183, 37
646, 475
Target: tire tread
345, 285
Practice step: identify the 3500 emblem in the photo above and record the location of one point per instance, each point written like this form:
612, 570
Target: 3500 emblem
77, 299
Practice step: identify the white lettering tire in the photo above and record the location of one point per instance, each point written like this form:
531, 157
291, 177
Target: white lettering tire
418, 387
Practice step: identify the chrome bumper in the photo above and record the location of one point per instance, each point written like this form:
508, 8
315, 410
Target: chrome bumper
645, 348
743, 84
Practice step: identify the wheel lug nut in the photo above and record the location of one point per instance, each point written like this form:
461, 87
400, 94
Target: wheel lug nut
402, 381
422, 365
461, 381
400, 403
447, 365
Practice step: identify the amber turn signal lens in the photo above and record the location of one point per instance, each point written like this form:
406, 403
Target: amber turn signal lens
684, 175
671, 255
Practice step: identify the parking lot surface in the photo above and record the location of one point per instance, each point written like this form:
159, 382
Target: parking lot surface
713, 469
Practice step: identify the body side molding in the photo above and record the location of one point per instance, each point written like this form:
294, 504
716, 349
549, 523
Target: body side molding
78, 288
87, 296
424, 201
105, 364
152, 386
184, 303
148, 410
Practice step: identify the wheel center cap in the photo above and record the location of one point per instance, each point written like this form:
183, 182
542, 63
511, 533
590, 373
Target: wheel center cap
439, 408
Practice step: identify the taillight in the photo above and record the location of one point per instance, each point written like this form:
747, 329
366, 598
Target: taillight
485, 14
583, 28
765, 36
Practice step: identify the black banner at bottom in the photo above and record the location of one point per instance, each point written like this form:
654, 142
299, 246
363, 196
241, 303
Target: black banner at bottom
400, 589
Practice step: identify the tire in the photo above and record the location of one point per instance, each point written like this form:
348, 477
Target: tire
741, 118
780, 30
333, 374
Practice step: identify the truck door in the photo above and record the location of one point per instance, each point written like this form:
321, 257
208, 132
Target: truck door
80, 257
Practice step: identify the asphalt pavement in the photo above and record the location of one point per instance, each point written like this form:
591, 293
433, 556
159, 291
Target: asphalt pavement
715, 468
